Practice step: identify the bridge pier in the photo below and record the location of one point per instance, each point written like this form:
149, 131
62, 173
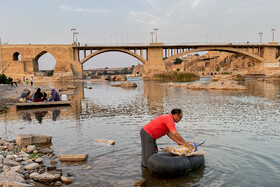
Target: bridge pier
269, 54
155, 63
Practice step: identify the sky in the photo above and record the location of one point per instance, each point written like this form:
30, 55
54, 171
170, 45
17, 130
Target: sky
131, 21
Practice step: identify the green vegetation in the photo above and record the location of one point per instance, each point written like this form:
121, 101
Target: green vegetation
218, 68
177, 77
35, 155
239, 76
50, 73
4, 79
178, 61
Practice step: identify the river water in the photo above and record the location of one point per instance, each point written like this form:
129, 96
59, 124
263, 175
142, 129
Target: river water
240, 129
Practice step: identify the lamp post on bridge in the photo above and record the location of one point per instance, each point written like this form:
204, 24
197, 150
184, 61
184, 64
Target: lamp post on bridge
273, 30
152, 34
76, 33
260, 33
156, 29
1, 56
73, 30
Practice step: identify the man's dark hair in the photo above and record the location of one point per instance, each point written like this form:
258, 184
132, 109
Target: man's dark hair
176, 111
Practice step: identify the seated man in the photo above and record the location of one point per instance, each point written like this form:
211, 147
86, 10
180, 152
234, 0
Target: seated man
12, 82
54, 96
45, 96
27, 95
38, 96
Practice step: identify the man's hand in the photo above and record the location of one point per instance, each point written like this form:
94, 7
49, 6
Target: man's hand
180, 143
187, 145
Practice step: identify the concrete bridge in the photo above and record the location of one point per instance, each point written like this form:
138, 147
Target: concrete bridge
20, 60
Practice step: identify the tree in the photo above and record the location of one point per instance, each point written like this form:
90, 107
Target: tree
178, 61
4, 79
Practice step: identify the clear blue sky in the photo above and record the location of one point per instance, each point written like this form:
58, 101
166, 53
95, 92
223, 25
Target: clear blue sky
122, 21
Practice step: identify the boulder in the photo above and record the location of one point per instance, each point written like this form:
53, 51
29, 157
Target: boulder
18, 169
24, 140
126, 84
226, 85
11, 176
73, 158
110, 142
6, 183
30, 148
32, 166
39, 160
44, 177
120, 78
66, 180
45, 151
10, 163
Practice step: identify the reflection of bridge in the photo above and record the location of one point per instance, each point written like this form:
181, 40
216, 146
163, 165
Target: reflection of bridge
23, 59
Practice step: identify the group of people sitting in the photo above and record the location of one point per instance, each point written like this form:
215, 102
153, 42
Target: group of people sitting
39, 96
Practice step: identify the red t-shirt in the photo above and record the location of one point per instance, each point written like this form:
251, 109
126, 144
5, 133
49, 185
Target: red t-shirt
160, 126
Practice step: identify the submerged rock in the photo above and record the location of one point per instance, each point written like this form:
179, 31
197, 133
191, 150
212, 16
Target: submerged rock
126, 84
24, 140
220, 84
110, 142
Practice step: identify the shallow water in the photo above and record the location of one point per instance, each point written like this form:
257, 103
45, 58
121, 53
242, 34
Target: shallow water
241, 130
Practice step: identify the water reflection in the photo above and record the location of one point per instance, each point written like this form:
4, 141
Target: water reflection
55, 114
240, 128
39, 115
190, 179
264, 89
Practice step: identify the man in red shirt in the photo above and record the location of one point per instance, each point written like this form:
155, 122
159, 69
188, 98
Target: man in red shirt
157, 128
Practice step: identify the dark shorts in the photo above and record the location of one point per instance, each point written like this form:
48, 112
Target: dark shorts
149, 147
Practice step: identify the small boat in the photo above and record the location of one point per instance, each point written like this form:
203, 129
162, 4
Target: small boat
42, 104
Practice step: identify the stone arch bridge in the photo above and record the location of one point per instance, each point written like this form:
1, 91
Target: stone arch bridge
20, 60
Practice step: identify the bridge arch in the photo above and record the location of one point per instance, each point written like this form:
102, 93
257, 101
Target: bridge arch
39, 55
16, 56
113, 50
225, 49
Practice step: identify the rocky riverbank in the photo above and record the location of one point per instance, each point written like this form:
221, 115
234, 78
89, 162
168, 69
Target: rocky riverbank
25, 166
219, 83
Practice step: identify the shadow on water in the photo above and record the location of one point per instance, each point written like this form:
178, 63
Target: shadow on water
190, 179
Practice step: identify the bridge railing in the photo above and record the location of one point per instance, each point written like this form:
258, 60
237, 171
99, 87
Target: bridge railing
172, 44
113, 44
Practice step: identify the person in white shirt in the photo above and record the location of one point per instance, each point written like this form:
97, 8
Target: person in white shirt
31, 80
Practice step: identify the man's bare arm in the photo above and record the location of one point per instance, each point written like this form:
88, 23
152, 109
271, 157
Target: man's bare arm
171, 136
179, 138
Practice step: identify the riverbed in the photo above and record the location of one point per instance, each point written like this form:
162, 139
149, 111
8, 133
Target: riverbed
240, 129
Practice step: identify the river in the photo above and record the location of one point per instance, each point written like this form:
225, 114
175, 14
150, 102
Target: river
240, 129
